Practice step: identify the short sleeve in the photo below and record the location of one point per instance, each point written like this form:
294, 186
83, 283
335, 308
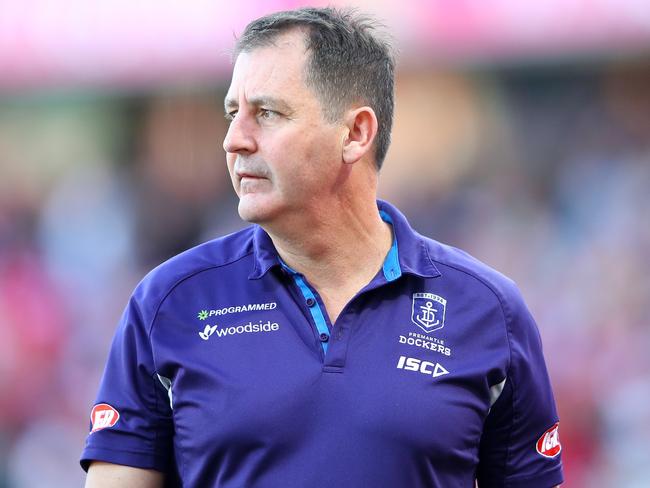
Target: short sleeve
131, 421
520, 443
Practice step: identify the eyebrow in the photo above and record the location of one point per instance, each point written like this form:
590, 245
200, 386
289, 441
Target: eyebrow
260, 101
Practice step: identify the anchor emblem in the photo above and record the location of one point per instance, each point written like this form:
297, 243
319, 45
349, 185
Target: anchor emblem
428, 311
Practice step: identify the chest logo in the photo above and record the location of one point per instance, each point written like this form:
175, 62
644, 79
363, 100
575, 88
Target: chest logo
428, 311
424, 367
207, 332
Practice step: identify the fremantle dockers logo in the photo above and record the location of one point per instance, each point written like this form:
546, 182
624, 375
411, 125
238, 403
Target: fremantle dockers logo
428, 311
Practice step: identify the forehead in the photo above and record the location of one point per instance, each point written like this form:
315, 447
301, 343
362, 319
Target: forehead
277, 68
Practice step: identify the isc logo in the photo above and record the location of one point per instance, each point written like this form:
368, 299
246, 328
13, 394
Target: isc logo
102, 416
424, 367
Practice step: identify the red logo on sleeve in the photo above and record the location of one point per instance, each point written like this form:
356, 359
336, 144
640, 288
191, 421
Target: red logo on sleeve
102, 416
549, 444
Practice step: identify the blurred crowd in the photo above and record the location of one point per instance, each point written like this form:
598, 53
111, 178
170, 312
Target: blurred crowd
542, 172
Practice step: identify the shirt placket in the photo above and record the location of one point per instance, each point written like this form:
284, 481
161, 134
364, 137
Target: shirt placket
333, 338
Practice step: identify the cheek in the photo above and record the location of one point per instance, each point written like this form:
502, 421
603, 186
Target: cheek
326, 143
323, 155
304, 160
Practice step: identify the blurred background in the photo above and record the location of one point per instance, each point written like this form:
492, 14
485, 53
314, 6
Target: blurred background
522, 135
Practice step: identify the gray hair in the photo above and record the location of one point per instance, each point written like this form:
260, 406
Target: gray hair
349, 62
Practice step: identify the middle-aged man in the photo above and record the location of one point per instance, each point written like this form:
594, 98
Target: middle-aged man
328, 345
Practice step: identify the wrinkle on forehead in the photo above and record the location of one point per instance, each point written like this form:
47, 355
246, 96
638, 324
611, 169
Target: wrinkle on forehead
273, 71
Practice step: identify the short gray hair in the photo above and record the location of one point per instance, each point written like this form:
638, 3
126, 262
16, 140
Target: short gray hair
349, 61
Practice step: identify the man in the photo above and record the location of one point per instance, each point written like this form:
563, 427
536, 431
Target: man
328, 345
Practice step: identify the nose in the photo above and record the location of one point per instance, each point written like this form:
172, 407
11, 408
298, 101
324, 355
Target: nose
240, 138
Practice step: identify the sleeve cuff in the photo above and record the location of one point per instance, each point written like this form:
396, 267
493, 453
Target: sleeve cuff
142, 460
547, 479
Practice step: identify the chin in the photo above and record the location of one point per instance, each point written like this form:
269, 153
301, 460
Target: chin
254, 210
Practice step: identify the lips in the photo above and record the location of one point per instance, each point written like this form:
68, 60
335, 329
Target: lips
248, 175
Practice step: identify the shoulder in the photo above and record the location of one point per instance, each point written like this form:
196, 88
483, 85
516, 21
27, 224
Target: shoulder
461, 267
220, 252
489, 294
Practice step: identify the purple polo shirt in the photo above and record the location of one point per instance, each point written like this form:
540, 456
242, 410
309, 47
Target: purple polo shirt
225, 371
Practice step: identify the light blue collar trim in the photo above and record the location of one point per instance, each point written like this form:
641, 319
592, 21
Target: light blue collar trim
315, 310
391, 267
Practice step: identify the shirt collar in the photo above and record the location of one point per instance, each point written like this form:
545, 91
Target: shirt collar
408, 254
411, 248
264, 254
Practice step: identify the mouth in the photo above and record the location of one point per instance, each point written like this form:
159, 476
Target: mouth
246, 175
241, 175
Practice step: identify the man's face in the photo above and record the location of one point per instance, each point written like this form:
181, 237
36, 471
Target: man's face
283, 157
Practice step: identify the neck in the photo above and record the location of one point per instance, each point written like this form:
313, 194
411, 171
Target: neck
346, 243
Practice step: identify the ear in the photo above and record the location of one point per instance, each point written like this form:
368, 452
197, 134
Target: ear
362, 129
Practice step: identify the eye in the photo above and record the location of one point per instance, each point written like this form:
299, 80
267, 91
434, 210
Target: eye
230, 116
266, 113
